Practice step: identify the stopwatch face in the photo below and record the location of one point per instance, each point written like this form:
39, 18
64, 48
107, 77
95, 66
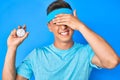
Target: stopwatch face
20, 32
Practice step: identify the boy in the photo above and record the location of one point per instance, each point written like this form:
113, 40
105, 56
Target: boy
64, 59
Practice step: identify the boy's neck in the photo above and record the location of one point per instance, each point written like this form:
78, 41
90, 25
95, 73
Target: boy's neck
63, 45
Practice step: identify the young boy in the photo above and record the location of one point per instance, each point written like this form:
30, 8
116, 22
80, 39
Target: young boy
64, 59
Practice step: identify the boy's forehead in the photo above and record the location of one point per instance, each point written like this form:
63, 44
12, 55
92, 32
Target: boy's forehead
53, 14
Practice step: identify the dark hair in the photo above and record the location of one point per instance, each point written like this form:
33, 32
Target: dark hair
58, 4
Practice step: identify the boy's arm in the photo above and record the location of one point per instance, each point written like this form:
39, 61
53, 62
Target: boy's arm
9, 69
105, 56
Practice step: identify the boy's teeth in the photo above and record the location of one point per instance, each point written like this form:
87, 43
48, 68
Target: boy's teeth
64, 33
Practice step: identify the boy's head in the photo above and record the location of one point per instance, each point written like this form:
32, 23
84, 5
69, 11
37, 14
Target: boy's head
62, 33
58, 7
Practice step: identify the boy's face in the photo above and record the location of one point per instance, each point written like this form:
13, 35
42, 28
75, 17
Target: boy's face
62, 33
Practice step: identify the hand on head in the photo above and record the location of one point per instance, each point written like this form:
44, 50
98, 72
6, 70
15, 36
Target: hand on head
71, 21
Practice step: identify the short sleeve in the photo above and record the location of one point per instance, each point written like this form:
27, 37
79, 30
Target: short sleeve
91, 55
25, 68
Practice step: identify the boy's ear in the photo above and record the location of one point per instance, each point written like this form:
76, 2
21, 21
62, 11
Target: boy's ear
49, 26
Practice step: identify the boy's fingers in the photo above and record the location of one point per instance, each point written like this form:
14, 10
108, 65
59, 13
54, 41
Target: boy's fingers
26, 34
19, 27
74, 13
24, 27
13, 33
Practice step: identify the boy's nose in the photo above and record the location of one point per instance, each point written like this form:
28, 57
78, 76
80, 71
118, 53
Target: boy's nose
63, 27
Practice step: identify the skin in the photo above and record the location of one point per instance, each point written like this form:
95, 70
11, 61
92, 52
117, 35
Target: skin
62, 27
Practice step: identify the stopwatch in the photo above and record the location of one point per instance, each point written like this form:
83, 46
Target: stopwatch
20, 32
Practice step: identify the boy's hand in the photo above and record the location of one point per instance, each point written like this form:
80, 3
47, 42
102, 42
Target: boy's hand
13, 40
71, 21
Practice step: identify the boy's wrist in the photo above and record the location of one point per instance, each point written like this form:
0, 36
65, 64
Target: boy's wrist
12, 48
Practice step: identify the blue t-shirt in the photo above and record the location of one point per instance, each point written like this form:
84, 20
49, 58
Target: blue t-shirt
51, 63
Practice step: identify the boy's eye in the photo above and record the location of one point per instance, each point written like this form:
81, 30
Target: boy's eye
54, 23
66, 26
